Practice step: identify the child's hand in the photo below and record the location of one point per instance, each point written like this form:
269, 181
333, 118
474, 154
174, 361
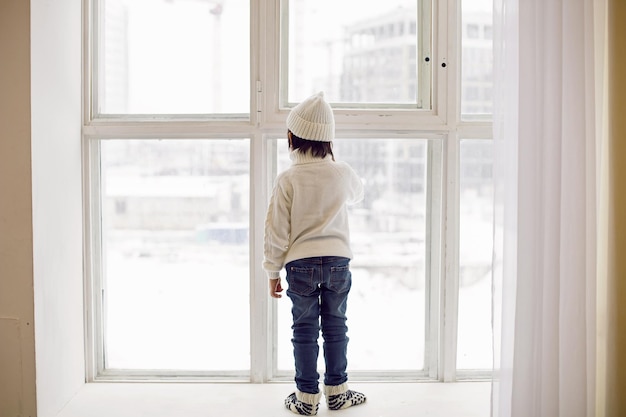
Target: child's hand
275, 288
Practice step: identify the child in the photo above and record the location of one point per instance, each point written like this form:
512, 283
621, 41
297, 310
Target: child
306, 231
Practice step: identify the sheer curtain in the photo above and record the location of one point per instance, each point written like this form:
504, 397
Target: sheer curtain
546, 72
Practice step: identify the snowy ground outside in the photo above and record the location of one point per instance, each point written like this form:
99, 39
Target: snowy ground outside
187, 308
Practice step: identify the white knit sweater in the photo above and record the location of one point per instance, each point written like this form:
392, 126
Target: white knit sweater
307, 215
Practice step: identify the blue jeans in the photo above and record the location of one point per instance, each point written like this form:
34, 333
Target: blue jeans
318, 288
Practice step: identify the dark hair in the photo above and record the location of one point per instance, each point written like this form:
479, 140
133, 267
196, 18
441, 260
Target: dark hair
318, 149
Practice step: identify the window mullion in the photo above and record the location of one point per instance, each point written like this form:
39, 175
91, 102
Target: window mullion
451, 72
425, 54
269, 64
265, 87
261, 324
450, 69
94, 289
435, 249
451, 261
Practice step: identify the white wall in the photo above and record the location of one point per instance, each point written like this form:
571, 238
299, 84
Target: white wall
57, 203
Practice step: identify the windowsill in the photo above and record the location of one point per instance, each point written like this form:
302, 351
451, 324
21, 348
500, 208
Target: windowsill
241, 399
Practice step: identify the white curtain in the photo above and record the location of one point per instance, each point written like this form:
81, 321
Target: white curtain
545, 73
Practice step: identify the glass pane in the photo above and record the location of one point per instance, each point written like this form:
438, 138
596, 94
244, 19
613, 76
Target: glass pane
386, 307
174, 57
355, 51
477, 58
175, 222
474, 349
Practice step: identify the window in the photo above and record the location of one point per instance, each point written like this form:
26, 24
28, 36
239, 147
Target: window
323, 60
473, 31
477, 60
390, 234
475, 253
488, 31
179, 246
172, 57
184, 135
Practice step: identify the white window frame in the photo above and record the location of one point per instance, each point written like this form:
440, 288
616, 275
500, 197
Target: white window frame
441, 124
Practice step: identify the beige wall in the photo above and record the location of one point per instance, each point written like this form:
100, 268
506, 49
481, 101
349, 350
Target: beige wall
616, 355
17, 357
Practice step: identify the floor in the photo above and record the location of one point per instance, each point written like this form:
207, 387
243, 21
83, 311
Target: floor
423, 399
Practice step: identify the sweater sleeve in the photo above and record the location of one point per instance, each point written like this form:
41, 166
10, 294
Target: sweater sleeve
356, 188
277, 231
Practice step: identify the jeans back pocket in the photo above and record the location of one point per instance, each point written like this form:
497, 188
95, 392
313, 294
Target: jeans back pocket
340, 278
300, 280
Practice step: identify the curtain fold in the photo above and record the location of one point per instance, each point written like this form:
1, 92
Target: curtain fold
546, 207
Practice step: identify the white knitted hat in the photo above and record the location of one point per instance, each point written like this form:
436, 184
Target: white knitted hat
312, 119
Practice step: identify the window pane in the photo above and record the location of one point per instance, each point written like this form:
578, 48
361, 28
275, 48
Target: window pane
175, 222
356, 51
174, 57
474, 349
477, 58
386, 307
